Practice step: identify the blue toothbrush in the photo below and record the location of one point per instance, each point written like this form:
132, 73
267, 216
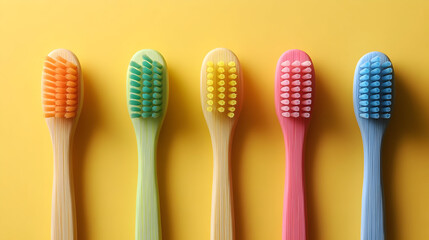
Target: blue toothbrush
372, 98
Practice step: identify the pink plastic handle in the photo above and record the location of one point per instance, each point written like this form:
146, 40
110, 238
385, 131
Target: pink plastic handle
294, 89
294, 208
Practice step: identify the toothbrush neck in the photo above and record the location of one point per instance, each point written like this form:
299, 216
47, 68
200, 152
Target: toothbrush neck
147, 136
372, 140
294, 133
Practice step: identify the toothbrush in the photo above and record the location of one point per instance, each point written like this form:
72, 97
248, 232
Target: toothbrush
294, 84
147, 97
62, 98
372, 98
221, 100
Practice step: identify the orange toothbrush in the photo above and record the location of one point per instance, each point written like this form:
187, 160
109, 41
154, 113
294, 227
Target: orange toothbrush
62, 102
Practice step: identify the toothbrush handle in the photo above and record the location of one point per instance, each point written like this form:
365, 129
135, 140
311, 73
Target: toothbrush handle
63, 210
148, 218
294, 209
222, 221
372, 222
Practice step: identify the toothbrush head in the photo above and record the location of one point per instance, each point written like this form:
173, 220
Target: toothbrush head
221, 85
294, 86
147, 85
373, 88
61, 85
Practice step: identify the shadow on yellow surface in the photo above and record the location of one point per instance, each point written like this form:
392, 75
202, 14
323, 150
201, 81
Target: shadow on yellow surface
407, 123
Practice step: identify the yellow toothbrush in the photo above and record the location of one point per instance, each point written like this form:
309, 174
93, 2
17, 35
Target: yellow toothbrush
221, 100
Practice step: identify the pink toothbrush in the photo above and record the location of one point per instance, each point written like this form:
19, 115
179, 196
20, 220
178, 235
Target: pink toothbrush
294, 86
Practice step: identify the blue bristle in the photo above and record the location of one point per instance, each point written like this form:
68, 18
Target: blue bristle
387, 77
375, 84
387, 71
363, 109
364, 71
386, 64
375, 103
364, 90
376, 71
374, 115
364, 115
387, 84
386, 103
375, 87
375, 97
364, 77
364, 103
364, 84
387, 97
375, 59
375, 90
375, 109
375, 78
375, 65
363, 96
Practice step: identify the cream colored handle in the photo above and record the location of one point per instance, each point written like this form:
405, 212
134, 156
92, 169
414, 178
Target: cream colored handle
222, 220
63, 210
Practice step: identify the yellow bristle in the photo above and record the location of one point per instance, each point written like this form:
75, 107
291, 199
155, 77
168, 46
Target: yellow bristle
232, 102
233, 76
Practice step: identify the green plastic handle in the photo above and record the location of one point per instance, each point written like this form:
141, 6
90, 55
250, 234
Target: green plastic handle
148, 217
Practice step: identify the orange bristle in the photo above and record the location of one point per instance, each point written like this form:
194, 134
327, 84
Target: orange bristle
60, 88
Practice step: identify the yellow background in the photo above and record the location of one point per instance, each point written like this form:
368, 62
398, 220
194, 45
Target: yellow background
105, 35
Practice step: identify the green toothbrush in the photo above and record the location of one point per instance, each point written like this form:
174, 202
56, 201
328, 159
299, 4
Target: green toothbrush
147, 97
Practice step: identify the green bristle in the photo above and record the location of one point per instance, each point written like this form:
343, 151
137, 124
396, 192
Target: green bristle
145, 87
